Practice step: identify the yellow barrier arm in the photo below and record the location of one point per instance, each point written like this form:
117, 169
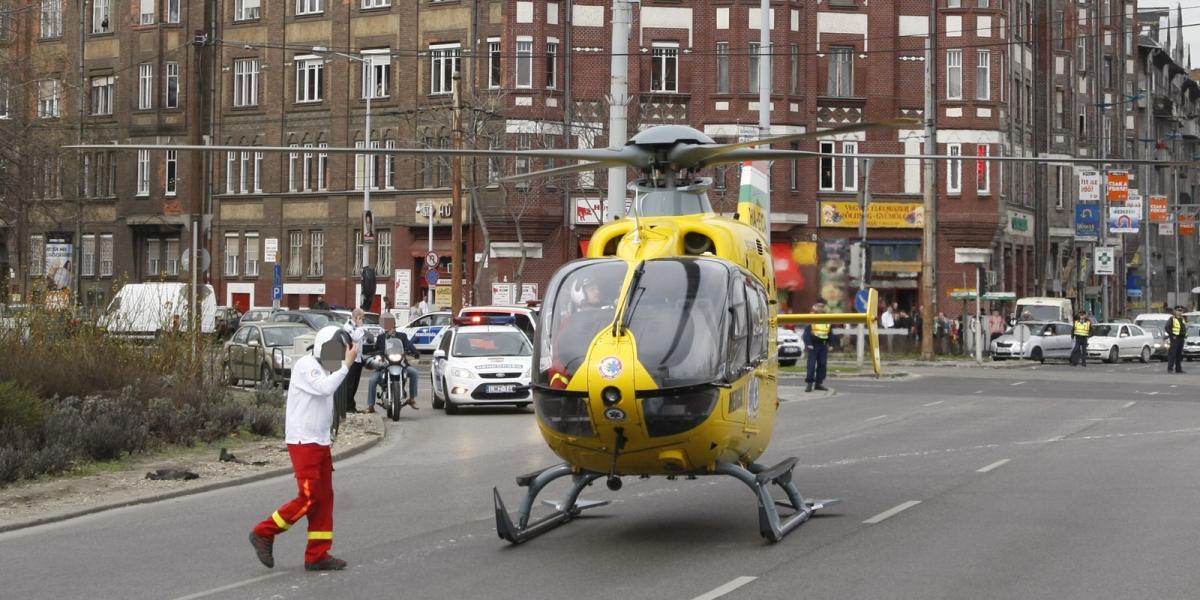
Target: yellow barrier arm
869, 318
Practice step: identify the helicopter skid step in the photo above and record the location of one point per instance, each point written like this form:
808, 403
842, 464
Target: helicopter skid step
564, 511
771, 524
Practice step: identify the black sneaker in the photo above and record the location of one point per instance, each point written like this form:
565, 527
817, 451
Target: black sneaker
263, 549
808, 388
329, 563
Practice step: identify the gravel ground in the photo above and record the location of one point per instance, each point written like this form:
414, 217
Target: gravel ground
31, 503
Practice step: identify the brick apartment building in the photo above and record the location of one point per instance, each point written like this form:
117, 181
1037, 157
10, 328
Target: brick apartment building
1015, 78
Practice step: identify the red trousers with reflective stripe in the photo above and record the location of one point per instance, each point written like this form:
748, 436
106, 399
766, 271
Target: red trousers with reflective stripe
313, 464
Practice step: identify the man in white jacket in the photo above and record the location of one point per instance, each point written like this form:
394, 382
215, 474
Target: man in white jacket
315, 378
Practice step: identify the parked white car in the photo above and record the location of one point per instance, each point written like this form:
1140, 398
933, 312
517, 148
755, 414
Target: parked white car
1118, 341
790, 346
1034, 340
1191, 345
481, 364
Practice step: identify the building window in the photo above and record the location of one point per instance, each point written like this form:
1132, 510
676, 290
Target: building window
106, 255
983, 171
1059, 119
722, 67
173, 11
52, 18
794, 169
388, 162
230, 172
103, 89
954, 74
245, 82
172, 82
366, 167
384, 244
233, 254
322, 168
664, 68
153, 257
377, 73
310, 7
376, 3
48, 99
295, 253
444, 63
753, 67
849, 167
954, 169
552, 64
794, 86
293, 168
826, 176
143, 173
983, 75
258, 166
37, 256
524, 63
145, 86
87, 253
172, 172
310, 75
841, 72
316, 260
100, 16
1060, 188
173, 257
244, 173
495, 68
358, 250
251, 254
245, 10
147, 12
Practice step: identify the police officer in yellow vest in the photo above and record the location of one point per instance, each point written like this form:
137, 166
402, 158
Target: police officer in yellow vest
1176, 333
816, 345
1081, 333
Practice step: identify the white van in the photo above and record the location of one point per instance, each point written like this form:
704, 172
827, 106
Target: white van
1158, 320
1044, 309
147, 309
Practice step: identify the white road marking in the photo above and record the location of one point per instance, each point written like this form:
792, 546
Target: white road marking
978, 391
232, 586
1019, 383
891, 512
934, 403
725, 589
1129, 404
995, 465
876, 418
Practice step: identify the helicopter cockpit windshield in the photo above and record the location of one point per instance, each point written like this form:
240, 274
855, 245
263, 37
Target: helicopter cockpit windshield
579, 303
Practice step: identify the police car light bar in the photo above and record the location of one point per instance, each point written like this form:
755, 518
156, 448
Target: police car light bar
485, 320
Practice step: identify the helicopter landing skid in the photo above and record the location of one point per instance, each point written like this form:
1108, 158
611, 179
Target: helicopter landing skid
564, 511
771, 524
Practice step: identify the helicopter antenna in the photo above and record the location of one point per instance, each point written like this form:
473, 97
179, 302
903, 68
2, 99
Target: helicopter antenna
637, 222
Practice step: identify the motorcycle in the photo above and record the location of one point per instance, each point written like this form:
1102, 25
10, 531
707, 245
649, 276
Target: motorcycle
392, 391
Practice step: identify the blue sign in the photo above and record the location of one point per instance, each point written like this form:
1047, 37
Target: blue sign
278, 276
431, 276
860, 300
1087, 221
277, 292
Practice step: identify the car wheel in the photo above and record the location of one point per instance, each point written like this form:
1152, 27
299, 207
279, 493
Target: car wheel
227, 375
438, 402
1037, 355
787, 363
1145, 357
451, 407
1114, 355
265, 379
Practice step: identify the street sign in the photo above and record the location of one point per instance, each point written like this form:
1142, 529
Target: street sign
431, 277
276, 292
431, 259
270, 249
277, 277
1105, 260
185, 261
860, 300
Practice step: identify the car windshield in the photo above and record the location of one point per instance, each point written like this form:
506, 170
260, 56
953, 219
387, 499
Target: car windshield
1194, 330
1106, 330
491, 343
1034, 312
1160, 323
580, 302
283, 336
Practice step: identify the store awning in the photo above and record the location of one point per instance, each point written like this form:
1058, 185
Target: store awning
787, 270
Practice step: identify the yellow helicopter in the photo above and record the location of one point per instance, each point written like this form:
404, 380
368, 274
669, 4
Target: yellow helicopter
656, 354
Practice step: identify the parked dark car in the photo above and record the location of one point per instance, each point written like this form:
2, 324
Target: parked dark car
228, 319
313, 319
263, 353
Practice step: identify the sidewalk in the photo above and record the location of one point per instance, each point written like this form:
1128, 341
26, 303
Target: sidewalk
28, 504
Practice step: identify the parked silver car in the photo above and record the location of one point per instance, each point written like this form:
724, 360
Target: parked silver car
1034, 340
1191, 345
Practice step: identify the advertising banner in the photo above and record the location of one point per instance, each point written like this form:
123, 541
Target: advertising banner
883, 215
1122, 219
1166, 229
59, 273
1118, 186
1159, 209
1187, 224
1089, 186
1087, 222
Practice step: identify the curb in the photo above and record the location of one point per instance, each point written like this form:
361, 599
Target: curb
810, 396
347, 453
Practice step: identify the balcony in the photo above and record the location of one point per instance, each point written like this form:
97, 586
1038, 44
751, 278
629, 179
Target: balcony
833, 111
663, 109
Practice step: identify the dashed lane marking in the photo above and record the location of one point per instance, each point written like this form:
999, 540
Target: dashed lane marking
232, 586
1019, 383
995, 465
1129, 404
934, 403
891, 512
876, 418
725, 589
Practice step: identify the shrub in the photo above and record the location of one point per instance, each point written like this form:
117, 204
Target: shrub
20, 406
264, 420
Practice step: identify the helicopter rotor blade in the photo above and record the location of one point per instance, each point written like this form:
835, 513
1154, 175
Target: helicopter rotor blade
753, 154
687, 156
567, 170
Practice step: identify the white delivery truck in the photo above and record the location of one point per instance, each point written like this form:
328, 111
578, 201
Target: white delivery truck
1057, 310
148, 309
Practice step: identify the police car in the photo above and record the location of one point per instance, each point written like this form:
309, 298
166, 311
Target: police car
482, 365
790, 347
423, 330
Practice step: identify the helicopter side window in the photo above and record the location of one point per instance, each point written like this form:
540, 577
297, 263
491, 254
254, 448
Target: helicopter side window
736, 358
758, 320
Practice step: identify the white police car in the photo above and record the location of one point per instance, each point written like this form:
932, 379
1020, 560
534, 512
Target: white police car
482, 365
790, 347
423, 330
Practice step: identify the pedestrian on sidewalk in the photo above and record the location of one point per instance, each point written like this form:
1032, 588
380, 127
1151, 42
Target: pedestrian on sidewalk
309, 419
1176, 333
1081, 333
354, 328
816, 346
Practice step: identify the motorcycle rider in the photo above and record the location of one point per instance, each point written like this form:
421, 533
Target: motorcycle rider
389, 324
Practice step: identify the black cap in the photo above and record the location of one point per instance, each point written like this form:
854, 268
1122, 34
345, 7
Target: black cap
1180, 308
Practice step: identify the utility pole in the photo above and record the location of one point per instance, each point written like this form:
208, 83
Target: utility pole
456, 266
618, 102
1150, 140
929, 233
764, 99
864, 201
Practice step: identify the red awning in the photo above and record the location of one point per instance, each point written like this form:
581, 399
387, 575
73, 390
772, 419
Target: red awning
787, 271
583, 246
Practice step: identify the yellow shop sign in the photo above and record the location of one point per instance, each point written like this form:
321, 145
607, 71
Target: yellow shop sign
884, 215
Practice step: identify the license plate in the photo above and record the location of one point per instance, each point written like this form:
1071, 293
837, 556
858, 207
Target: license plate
497, 388
789, 351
